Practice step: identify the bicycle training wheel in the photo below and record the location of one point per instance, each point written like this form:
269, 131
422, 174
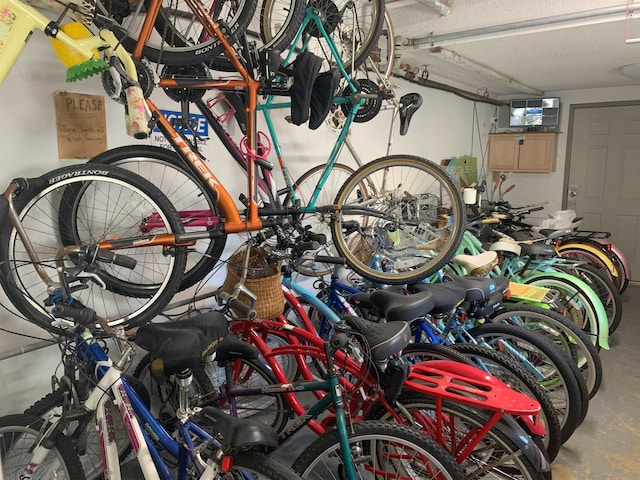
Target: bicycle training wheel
80, 205
194, 203
18, 434
179, 39
407, 227
381, 450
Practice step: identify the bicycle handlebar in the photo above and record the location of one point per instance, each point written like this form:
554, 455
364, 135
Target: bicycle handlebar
84, 316
94, 253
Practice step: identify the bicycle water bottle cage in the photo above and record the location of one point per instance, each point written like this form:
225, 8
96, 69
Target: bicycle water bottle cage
409, 103
306, 68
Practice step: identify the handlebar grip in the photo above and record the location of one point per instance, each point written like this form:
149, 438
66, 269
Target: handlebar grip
108, 256
316, 237
242, 308
536, 209
83, 316
328, 259
136, 117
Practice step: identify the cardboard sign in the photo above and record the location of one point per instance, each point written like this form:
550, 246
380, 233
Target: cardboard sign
81, 124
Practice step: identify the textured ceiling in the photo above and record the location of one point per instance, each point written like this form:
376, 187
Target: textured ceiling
577, 44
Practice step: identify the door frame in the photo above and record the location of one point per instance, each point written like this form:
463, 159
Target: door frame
572, 111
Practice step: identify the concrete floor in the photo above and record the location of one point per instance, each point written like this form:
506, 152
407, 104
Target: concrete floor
607, 444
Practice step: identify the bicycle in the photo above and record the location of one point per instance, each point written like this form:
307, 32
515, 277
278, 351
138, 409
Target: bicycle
428, 224
206, 452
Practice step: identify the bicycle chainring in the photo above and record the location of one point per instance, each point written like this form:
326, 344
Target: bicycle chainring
146, 79
191, 72
370, 108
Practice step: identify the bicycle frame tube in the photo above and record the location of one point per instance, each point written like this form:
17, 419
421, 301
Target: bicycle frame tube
134, 413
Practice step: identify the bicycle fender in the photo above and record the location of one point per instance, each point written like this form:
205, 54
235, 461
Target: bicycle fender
525, 443
603, 323
591, 249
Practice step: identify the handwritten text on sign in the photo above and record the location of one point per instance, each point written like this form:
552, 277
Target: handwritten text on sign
81, 125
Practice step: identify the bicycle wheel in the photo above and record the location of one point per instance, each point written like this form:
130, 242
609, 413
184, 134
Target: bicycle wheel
505, 369
353, 26
80, 205
381, 450
409, 226
498, 455
194, 202
603, 287
599, 258
18, 434
258, 466
304, 189
575, 300
547, 362
567, 335
179, 38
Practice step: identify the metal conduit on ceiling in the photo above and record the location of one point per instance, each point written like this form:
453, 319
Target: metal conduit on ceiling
432, 40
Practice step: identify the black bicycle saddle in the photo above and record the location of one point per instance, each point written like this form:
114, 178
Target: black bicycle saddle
409, 103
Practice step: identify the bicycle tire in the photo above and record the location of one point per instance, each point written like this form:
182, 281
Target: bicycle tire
185, 191
383, 247
499, 440
104, 215
505, 369
565, 387
61, 461
272, 27
313, 463
555, 326
574, 299
597, 257
180, 39
259, 466
304, 188
603, 287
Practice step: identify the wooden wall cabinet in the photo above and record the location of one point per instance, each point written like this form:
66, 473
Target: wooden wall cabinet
526, 152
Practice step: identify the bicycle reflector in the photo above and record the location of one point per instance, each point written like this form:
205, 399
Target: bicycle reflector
78, 67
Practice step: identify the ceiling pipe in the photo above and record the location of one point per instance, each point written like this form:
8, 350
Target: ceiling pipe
458, 59
433, 40
436, 5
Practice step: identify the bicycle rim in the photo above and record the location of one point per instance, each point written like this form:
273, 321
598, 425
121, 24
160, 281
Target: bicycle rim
407, 227
195, 205
85, 206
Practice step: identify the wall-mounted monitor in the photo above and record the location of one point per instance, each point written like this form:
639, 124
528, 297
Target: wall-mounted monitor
534, 112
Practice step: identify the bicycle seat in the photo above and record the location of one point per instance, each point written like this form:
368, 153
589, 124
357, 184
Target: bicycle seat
237, 433
446, 296
478, 265
306, 68
481, 288
384, 339
539, 250
409, 103
180, 345
397, 307
232, 348
322, 95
